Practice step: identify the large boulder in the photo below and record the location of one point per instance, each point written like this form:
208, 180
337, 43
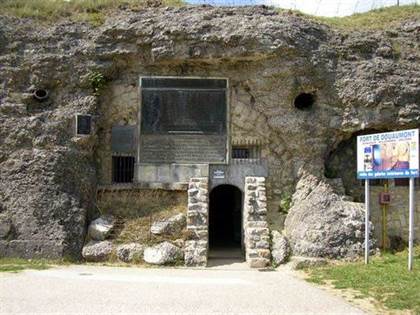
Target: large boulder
280, 248
322, 222
100, 228
163, 253
131, 252
171, 225
97, 251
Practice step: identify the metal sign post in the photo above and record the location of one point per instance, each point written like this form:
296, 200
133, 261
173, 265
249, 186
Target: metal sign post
389, 155
367, 216
411, 225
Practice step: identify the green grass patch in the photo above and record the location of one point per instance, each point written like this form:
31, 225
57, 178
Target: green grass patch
93, 11
385, 278
379, 19
18, 264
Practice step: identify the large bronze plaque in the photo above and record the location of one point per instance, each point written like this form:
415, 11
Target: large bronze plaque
183, 149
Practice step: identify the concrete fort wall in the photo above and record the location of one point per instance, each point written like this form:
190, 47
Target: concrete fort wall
297, 90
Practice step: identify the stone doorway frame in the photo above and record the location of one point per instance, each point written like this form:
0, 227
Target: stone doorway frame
254, 216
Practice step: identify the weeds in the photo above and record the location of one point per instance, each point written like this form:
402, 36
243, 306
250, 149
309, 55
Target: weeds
385, 278
97, 81
379, 19
137, 210
15, 265
93, 11
285, 203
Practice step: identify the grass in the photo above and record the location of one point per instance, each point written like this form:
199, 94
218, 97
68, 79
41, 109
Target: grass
379, 19
137, 210
385, 278
93, 11
15, 265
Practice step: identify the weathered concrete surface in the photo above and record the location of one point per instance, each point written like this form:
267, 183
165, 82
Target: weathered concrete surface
362, 80
164, 291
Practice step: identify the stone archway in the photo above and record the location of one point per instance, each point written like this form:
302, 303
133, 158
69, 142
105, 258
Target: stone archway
256, 234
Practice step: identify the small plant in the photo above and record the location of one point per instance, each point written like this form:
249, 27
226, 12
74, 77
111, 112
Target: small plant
97, 81
285, 202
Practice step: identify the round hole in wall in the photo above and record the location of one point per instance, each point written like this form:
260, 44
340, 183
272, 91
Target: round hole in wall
40, 94
304, 101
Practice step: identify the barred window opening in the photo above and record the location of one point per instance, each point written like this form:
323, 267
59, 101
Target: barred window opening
122, 169
246, 152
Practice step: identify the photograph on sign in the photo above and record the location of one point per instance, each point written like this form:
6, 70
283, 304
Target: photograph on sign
388, 155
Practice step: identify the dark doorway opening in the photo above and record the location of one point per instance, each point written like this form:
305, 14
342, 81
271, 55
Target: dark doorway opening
225, 222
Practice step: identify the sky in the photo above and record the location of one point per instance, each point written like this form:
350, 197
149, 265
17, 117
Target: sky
315, 7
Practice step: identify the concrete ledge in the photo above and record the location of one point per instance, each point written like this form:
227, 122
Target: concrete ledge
133, 186
169, 173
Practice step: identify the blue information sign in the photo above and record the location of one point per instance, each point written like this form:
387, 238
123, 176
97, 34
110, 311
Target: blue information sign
388, 155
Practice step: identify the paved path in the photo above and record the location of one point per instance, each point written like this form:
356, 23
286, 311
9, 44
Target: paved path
111, 290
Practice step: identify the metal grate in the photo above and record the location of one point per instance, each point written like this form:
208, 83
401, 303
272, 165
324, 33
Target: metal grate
122, 169
246, 152
183, 105
240, 153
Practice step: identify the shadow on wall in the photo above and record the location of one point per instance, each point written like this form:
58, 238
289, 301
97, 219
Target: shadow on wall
342, 163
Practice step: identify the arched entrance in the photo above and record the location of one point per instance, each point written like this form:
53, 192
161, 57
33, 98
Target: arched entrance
225, 221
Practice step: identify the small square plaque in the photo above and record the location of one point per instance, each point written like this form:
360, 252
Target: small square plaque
83, 124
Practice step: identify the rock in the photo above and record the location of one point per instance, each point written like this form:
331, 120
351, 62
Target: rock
163, 253
259, 263
179, 243
385, 51
280, 250
169, 226
97, 251
5, 227
299, 263
100, 228
132, 252
321, 224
